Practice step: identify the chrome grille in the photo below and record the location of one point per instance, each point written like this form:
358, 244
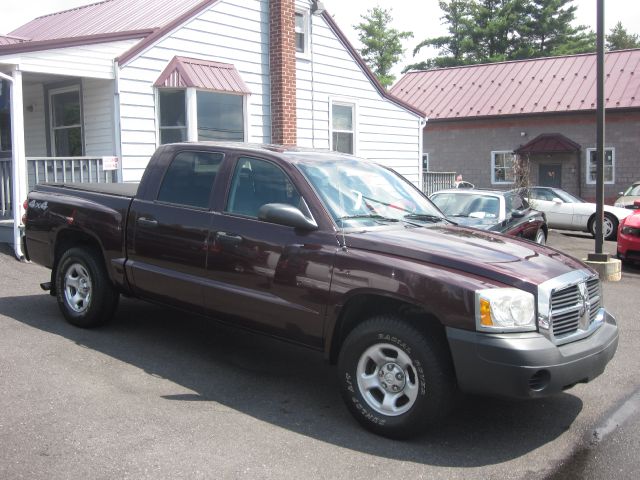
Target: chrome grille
567, 307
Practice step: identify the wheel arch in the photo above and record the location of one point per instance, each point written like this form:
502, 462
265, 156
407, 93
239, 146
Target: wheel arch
365, 304
70, 238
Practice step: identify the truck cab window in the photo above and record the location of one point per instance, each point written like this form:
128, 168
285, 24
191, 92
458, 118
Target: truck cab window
256, 183
189, 179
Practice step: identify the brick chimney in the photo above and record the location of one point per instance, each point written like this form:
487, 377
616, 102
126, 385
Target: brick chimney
282, 65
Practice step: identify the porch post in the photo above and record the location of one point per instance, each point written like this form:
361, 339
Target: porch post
19, 163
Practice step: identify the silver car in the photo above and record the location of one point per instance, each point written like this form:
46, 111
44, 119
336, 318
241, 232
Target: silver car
566, 212
629, 196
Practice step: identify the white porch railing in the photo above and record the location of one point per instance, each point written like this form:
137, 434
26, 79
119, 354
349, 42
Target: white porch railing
434, 181
53, 169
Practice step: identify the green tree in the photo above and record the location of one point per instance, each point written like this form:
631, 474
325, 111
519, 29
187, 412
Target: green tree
620, 39
454, 47
546, 30
382, 44
483, 31
496, 26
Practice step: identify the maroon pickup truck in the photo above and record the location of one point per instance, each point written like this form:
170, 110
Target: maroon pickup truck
335, 253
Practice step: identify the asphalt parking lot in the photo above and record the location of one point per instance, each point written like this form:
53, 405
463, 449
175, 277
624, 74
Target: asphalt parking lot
160, 394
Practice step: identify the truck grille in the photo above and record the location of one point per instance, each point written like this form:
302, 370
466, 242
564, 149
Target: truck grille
574, 307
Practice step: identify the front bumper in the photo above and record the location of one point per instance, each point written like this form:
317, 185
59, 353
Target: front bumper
528, 365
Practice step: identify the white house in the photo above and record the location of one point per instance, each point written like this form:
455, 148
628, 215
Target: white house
89, 93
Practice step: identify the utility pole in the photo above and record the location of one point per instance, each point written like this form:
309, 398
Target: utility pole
608, 268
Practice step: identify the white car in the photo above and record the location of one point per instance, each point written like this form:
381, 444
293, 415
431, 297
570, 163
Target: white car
566, 212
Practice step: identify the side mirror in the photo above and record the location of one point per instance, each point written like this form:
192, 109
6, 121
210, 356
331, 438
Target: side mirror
518, 214
557, 201
288, 215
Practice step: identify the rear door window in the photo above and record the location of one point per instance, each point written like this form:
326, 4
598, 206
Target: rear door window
189, 179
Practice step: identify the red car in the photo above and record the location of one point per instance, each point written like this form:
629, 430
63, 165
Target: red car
629, 236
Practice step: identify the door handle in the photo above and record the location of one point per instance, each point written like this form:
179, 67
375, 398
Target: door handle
228, 238
147, 222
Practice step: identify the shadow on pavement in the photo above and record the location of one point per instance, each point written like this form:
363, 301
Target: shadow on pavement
292, 387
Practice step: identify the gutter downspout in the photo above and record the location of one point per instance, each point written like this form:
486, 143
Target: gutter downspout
18, 164
422, 124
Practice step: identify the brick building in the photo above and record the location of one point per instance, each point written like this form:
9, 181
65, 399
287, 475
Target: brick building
479, 117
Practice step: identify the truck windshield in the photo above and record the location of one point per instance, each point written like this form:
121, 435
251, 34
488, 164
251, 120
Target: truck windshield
360, 193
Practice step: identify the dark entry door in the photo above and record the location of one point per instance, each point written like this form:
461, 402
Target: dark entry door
550, 175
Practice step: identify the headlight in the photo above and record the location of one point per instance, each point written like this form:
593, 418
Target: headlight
505, 310
619, 205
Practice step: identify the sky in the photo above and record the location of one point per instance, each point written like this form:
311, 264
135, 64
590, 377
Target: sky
422, 17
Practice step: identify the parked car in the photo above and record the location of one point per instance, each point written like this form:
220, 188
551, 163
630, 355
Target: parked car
504, 212
567, 212
629, 196
629, 237
335, 253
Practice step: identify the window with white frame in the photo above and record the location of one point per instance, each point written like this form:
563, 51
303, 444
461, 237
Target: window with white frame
218, 116
173, 115
502, 163
343, 127
65, 120
302, 32
609, 165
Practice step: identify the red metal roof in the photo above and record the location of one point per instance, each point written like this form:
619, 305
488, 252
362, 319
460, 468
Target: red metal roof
549, 143
7, 40
190, 72
544, 85
109, 16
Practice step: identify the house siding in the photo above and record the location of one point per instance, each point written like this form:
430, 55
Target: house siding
94, 61
465, 147
233, 32
385, 132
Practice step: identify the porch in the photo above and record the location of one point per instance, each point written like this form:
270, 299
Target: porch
53, 128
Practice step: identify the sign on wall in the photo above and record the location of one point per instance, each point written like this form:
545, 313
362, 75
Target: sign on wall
110, 163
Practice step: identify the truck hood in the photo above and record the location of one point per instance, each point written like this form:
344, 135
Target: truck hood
491, 255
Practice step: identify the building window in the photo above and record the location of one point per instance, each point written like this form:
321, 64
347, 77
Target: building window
502, 167
425, 162
220, 116
609, 165
302, 32
5, 118
173, 114
66, 122
342, 127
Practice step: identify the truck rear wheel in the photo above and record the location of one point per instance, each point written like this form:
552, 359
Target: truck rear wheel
395, 380
85, 294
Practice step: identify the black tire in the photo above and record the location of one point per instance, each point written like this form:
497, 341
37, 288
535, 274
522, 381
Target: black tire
429, 377
608, 217
85, 294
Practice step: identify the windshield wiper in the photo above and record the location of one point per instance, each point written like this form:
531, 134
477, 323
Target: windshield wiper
425, 217
369, 216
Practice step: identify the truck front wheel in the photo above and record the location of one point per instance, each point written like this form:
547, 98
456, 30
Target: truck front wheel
395, 380
85, 294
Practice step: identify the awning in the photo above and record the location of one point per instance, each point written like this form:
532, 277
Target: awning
185, 72
549, 143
